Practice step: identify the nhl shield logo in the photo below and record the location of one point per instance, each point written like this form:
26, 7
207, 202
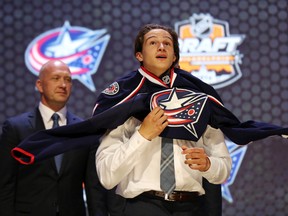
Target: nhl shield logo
208, 51
201, 25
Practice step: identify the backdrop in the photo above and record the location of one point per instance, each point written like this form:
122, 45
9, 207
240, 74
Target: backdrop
239, 47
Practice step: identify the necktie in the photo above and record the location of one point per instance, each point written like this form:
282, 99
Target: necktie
58, 158
167, 176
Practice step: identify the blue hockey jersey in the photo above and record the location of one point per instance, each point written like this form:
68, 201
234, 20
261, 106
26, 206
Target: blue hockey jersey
189, 103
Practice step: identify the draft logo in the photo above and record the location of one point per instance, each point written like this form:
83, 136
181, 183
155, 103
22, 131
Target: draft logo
208, 51
80, 48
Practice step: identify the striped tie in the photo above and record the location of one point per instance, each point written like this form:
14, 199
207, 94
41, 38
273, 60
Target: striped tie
167, 176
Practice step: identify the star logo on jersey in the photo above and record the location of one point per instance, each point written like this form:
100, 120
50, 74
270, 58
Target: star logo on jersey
80, 48
183, 107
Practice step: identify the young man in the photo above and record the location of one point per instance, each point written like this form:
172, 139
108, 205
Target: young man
157, 102
42, 189
129, 156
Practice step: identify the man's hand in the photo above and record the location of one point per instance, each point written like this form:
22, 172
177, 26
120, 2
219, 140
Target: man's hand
196, 158
153, 124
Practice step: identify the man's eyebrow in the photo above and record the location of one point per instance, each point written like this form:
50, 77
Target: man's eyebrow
168, 37
152, 36
149, 37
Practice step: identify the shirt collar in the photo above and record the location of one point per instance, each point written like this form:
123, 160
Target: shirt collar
46, 114
152, 78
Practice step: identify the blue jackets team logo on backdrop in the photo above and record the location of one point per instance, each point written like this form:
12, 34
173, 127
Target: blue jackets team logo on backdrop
237, 154
80, 48
183, 107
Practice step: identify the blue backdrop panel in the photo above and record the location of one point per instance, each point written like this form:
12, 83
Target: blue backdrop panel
248, 65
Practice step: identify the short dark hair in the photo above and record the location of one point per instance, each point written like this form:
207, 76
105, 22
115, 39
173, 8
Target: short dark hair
139, 40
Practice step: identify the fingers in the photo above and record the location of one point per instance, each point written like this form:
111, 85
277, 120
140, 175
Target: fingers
196, 158
158, 115
154, 123
193, 151
158, 118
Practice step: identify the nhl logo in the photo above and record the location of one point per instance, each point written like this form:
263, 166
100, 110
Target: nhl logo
166, 79
201, 25
208, 50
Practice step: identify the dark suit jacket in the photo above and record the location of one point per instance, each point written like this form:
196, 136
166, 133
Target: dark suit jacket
213, 198
37, 189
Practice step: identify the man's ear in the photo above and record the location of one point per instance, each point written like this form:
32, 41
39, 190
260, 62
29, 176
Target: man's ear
139, 56
38, 85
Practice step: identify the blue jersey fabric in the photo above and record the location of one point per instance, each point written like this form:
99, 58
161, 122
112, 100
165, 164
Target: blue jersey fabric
131, 95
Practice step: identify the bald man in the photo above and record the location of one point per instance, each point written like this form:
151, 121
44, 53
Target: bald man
42, 189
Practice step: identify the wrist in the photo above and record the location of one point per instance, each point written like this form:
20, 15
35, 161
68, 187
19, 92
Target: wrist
208, 164
143, 135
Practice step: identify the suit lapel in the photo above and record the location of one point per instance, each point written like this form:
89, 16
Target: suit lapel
39, 124
35, 120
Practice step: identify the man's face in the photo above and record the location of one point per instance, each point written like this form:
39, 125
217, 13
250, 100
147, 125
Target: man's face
55, 86
157, 52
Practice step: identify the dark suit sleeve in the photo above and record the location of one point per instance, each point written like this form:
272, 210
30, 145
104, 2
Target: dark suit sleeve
100, 201
213, 198
95, 193
8, 169
115, 203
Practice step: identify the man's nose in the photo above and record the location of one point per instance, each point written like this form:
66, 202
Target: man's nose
63, 83
161, 46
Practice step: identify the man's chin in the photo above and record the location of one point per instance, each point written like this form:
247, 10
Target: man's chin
62, 101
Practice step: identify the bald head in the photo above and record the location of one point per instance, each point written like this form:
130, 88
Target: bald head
54, 84
52, 65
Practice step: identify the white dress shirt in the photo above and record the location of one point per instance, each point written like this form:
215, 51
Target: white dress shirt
126, 159
47, 113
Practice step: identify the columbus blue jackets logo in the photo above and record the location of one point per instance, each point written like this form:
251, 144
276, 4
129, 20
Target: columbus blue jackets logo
237, 154
183, 107
80, 48
208, 50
